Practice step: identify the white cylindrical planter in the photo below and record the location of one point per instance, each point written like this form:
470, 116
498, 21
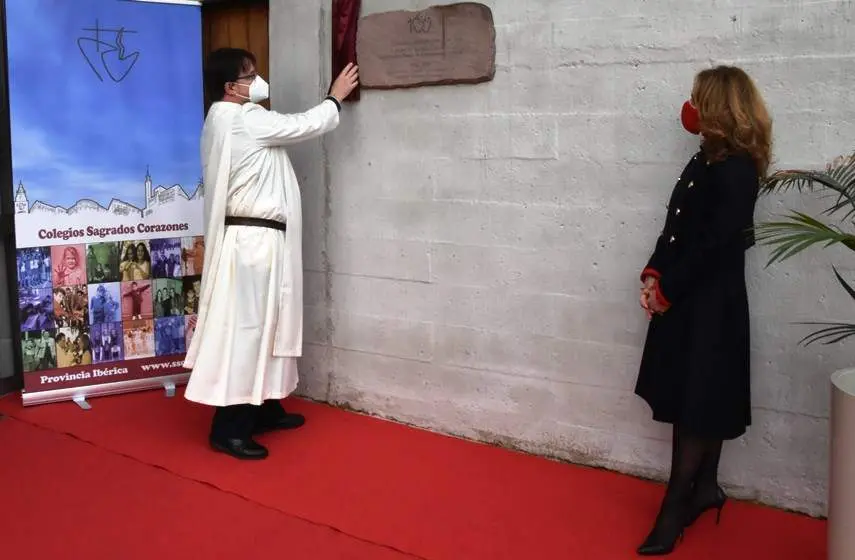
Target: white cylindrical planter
841, 483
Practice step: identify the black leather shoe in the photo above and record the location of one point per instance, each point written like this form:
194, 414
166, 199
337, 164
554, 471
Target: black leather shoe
287, 421
246, 449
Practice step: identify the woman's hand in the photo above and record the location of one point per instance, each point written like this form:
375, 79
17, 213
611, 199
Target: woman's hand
644, 300
655, 301
649, 300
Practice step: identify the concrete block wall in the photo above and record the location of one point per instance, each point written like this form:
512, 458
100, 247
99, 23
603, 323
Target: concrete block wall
472, 252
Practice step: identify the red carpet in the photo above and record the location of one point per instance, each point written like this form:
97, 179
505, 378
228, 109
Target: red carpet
133, 478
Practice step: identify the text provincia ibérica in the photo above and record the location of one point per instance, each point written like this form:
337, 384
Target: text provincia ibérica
102, 232
96, 372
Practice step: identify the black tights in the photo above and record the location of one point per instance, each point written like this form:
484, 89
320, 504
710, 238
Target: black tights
693, 481
694, 464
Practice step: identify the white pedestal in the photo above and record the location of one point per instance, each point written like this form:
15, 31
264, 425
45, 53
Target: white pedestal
841, 483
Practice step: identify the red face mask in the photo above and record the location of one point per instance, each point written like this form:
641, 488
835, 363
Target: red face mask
691, 118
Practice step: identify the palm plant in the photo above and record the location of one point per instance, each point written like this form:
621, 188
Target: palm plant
797, 231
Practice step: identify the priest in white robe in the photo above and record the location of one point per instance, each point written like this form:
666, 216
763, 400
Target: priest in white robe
249, 330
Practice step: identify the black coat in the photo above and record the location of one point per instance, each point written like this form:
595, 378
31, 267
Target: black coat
695, 367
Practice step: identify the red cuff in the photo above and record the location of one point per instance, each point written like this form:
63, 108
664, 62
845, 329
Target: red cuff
650, 272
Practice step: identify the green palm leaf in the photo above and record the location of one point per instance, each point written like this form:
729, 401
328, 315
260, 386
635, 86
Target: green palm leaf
838, 178
843, 283
831, 334
796, 233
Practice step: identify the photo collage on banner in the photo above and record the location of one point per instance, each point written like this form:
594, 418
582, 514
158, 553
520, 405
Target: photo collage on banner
109, 262
107, 302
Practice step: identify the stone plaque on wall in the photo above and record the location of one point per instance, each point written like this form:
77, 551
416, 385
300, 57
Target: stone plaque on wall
452, 44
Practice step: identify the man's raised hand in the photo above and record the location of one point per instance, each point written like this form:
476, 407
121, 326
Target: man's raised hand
346, 82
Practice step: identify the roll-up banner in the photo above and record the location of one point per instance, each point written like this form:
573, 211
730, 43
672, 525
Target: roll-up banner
106, 109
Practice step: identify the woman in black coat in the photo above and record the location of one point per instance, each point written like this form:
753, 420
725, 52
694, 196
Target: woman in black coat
694, 372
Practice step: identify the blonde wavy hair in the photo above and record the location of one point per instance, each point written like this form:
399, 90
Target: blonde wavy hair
733, 116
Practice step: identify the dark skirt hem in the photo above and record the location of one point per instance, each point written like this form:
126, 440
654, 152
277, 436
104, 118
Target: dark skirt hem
702, 430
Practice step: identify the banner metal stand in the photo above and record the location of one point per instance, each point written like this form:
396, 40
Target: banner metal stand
80, 400
168, 384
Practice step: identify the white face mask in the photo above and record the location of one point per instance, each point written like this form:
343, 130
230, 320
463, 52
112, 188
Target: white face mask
259, 90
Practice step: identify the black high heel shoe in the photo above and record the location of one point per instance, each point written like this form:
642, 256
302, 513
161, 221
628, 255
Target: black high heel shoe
655, 547
663, 538
717, 503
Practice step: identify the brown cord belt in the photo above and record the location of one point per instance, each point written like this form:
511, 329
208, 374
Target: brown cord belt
254, 222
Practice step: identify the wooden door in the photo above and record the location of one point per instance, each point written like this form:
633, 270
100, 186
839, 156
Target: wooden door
241, 24
11, 366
